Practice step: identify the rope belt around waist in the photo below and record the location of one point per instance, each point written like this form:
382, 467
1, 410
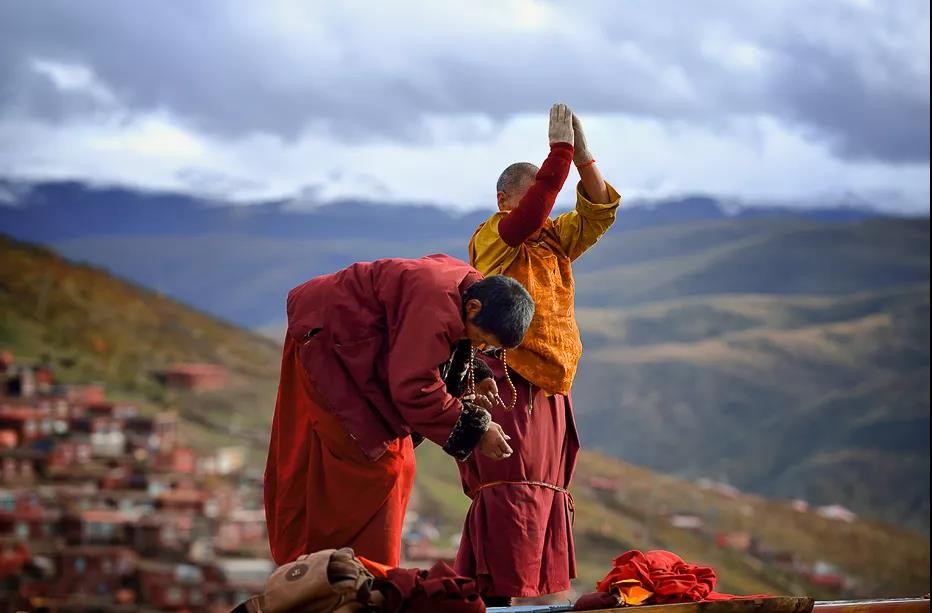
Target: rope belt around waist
556, 488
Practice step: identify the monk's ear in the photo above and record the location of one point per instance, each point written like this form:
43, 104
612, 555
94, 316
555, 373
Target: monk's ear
502, 197
473, 306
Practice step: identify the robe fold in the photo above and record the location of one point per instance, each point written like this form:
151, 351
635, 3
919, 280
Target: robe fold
517, 539
323, 492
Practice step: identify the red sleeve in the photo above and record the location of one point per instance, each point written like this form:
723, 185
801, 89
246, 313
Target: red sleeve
534, 208
417, 348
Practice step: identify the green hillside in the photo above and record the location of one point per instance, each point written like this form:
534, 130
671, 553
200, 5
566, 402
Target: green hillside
94, 326
634, 517
824, 398
789, 356
775, 257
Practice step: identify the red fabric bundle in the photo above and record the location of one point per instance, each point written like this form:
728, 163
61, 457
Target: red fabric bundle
439, 589
667, 576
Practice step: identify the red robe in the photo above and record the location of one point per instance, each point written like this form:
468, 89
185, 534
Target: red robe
665, 577
360, 372
517, 538
313, 462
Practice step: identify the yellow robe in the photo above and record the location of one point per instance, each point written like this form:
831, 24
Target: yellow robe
550, 352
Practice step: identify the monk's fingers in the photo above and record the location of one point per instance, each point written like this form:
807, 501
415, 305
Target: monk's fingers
503, 445
566, 115
577, 125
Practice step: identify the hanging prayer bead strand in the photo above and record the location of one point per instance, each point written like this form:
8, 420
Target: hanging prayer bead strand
514, 390
471, 373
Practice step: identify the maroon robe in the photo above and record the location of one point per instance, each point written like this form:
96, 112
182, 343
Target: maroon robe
360, 369
537, 517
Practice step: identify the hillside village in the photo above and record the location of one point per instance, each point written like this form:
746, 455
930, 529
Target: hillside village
101, 504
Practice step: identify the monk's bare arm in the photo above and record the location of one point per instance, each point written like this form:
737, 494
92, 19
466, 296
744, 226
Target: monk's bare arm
593, 184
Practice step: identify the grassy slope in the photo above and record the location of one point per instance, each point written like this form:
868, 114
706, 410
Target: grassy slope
825, 398
710, 339
94, 326
50, 306
886, 560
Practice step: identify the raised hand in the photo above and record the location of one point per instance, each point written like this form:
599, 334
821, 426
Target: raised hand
561, 124
581, 153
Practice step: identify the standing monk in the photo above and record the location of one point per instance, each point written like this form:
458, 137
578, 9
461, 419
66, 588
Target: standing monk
517, 540
361, 371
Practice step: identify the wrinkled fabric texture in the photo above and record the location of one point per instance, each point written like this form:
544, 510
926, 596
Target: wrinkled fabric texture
550, 352
666, 575
417, 591
372, 338
360, 372
321, 491
517, 539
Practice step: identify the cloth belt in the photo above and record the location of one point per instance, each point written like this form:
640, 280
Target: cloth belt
569, 497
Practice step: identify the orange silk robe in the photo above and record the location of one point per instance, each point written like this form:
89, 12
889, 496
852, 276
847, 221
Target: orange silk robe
550, 352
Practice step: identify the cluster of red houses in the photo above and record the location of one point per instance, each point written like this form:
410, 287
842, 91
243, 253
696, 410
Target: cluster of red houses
102, 506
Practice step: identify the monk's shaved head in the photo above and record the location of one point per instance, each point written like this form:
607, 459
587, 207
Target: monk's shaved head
515, 176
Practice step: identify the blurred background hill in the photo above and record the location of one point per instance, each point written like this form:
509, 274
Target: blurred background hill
91, 325
782, 350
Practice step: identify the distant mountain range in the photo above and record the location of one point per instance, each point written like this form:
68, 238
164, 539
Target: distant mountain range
61, 211
239, 261
784, 350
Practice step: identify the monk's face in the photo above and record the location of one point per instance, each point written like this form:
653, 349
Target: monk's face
481, 339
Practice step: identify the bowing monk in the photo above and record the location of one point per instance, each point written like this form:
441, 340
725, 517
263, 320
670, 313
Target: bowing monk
364, 361
517, 539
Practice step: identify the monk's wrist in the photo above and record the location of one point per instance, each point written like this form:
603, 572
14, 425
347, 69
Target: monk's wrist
468, 430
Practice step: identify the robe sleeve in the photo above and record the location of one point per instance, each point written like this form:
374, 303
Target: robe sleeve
582, 228
419, 392
488, 253
534, 208
458, 368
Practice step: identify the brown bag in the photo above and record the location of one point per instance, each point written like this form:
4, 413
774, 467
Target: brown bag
328, 581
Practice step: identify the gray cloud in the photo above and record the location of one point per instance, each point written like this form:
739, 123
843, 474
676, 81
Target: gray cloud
852, 74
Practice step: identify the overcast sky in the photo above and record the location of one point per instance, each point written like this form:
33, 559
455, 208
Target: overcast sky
788, 101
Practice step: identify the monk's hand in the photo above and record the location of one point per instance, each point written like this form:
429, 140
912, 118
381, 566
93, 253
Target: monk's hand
494, 443
488, 389
561, 124
581, 153
480, 401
